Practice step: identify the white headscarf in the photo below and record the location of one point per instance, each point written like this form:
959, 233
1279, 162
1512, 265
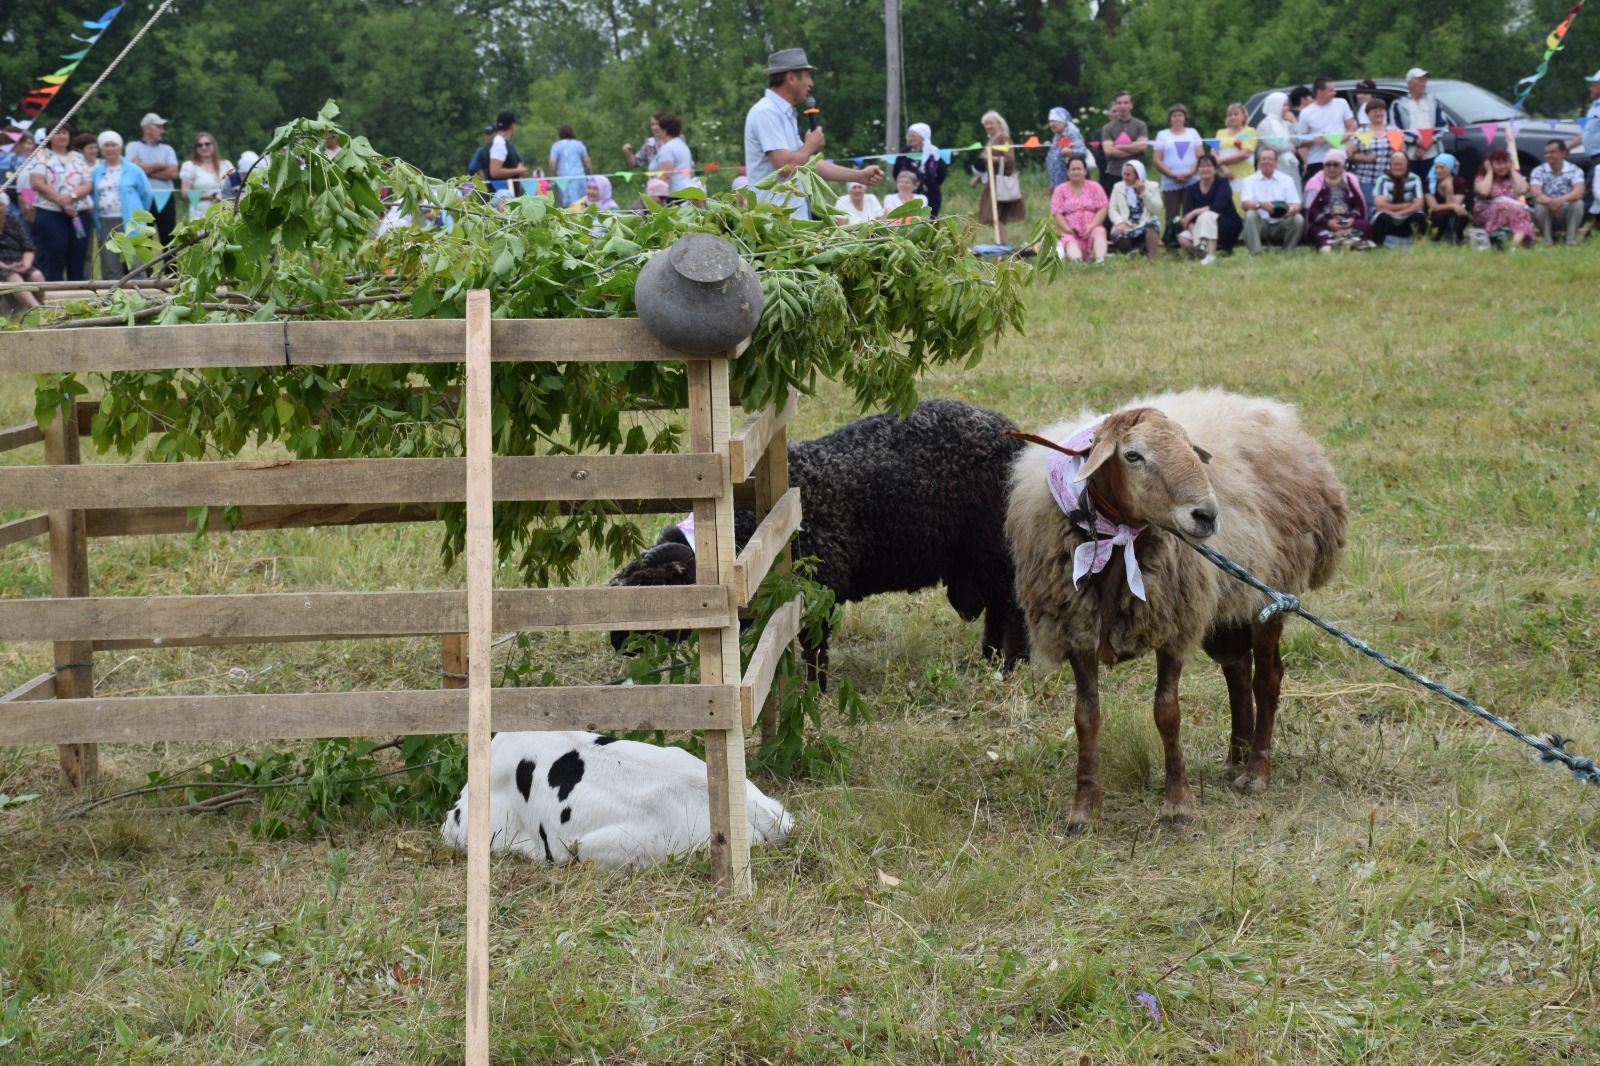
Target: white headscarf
922, 130
1272, 129
1135, 192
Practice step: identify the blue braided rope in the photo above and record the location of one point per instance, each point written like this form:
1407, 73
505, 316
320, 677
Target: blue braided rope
1551, 750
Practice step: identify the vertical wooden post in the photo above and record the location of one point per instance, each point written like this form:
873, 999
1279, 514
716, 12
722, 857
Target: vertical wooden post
69, 576
719, 648
480, 601
772, 481
453, 660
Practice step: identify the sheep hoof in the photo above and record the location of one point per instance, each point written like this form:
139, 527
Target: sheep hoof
1075, 826
1250, 784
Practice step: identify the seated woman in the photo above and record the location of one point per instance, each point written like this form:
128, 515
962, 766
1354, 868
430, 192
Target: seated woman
1078, 207
1135, 211
857, 205
1447, 200
1211, 222
905, 192
1500, 209
597, 195
1397, 203
1336, 212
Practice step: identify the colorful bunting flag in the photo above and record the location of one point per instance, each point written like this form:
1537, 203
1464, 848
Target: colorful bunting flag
1397, 140
41, 97
1181, 147
1364, 137
1334, 139
1489, 130
1123, 138
1031, 142
1426, 135
1552, 45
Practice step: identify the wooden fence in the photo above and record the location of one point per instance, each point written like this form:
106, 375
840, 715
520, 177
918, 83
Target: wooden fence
80, 502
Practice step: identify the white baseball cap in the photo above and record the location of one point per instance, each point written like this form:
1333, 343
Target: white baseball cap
152, 119
1416, 72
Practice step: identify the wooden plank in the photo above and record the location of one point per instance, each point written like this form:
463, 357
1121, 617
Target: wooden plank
69, 576
782, 628
21, 529
303, 715
42, 687
20, 436
138, 521
719, 648
749, 442
240, 344
480, 606
771, 483
356, 481
141, 521
764, 546
178, 621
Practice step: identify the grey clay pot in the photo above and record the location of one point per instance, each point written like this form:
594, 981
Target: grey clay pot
698, 296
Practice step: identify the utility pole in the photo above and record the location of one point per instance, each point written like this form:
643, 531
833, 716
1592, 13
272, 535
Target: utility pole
891, 65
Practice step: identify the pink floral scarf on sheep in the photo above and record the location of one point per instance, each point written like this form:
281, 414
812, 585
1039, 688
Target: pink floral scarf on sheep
1092, 556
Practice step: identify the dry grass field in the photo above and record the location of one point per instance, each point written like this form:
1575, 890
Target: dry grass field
1412, 888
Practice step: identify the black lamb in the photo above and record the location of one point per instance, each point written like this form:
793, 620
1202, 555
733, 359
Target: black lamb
893, 504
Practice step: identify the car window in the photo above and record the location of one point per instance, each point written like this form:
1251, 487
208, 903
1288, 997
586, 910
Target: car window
1469, 103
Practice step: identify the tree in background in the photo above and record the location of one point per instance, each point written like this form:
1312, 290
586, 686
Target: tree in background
419, 78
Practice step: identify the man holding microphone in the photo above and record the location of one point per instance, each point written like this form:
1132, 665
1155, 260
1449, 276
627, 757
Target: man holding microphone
772, 141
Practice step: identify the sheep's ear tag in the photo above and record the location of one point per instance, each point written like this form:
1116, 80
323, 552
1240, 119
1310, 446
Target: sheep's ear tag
1103, 449
1205, 456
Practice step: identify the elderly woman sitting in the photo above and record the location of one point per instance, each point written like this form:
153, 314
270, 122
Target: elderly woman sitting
857, 205
1134, 211
597, 195
1336, 212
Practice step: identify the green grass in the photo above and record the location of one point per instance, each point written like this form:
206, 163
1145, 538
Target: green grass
1411, 889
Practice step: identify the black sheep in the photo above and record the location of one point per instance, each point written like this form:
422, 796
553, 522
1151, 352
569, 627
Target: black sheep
893, 504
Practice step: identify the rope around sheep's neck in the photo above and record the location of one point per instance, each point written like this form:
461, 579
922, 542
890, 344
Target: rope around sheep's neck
1552, 747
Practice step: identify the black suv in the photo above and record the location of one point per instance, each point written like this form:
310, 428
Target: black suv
1465, 106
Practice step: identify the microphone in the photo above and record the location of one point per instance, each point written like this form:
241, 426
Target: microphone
811, 112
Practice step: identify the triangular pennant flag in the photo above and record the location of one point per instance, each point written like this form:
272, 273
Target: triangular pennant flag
1365, 137
1425, 134
712, 167
1458, 130
1211, 142
1094, 146
85, 40
1552, 122
68, 69
1031, 142
55, 79
15, 136
858, 161
1182, 148
32, 108
104, 20
75, 55
1489, 130
1397, 141
46, 91
1123, 138
1066, 142
944, 155
1583, 122
1334, 139
19, 125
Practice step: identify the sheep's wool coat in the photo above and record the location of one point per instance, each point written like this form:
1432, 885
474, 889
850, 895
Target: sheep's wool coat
1281, 515
560, 797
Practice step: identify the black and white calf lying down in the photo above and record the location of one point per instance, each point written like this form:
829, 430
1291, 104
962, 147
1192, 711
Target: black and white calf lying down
561, 797
893, 504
